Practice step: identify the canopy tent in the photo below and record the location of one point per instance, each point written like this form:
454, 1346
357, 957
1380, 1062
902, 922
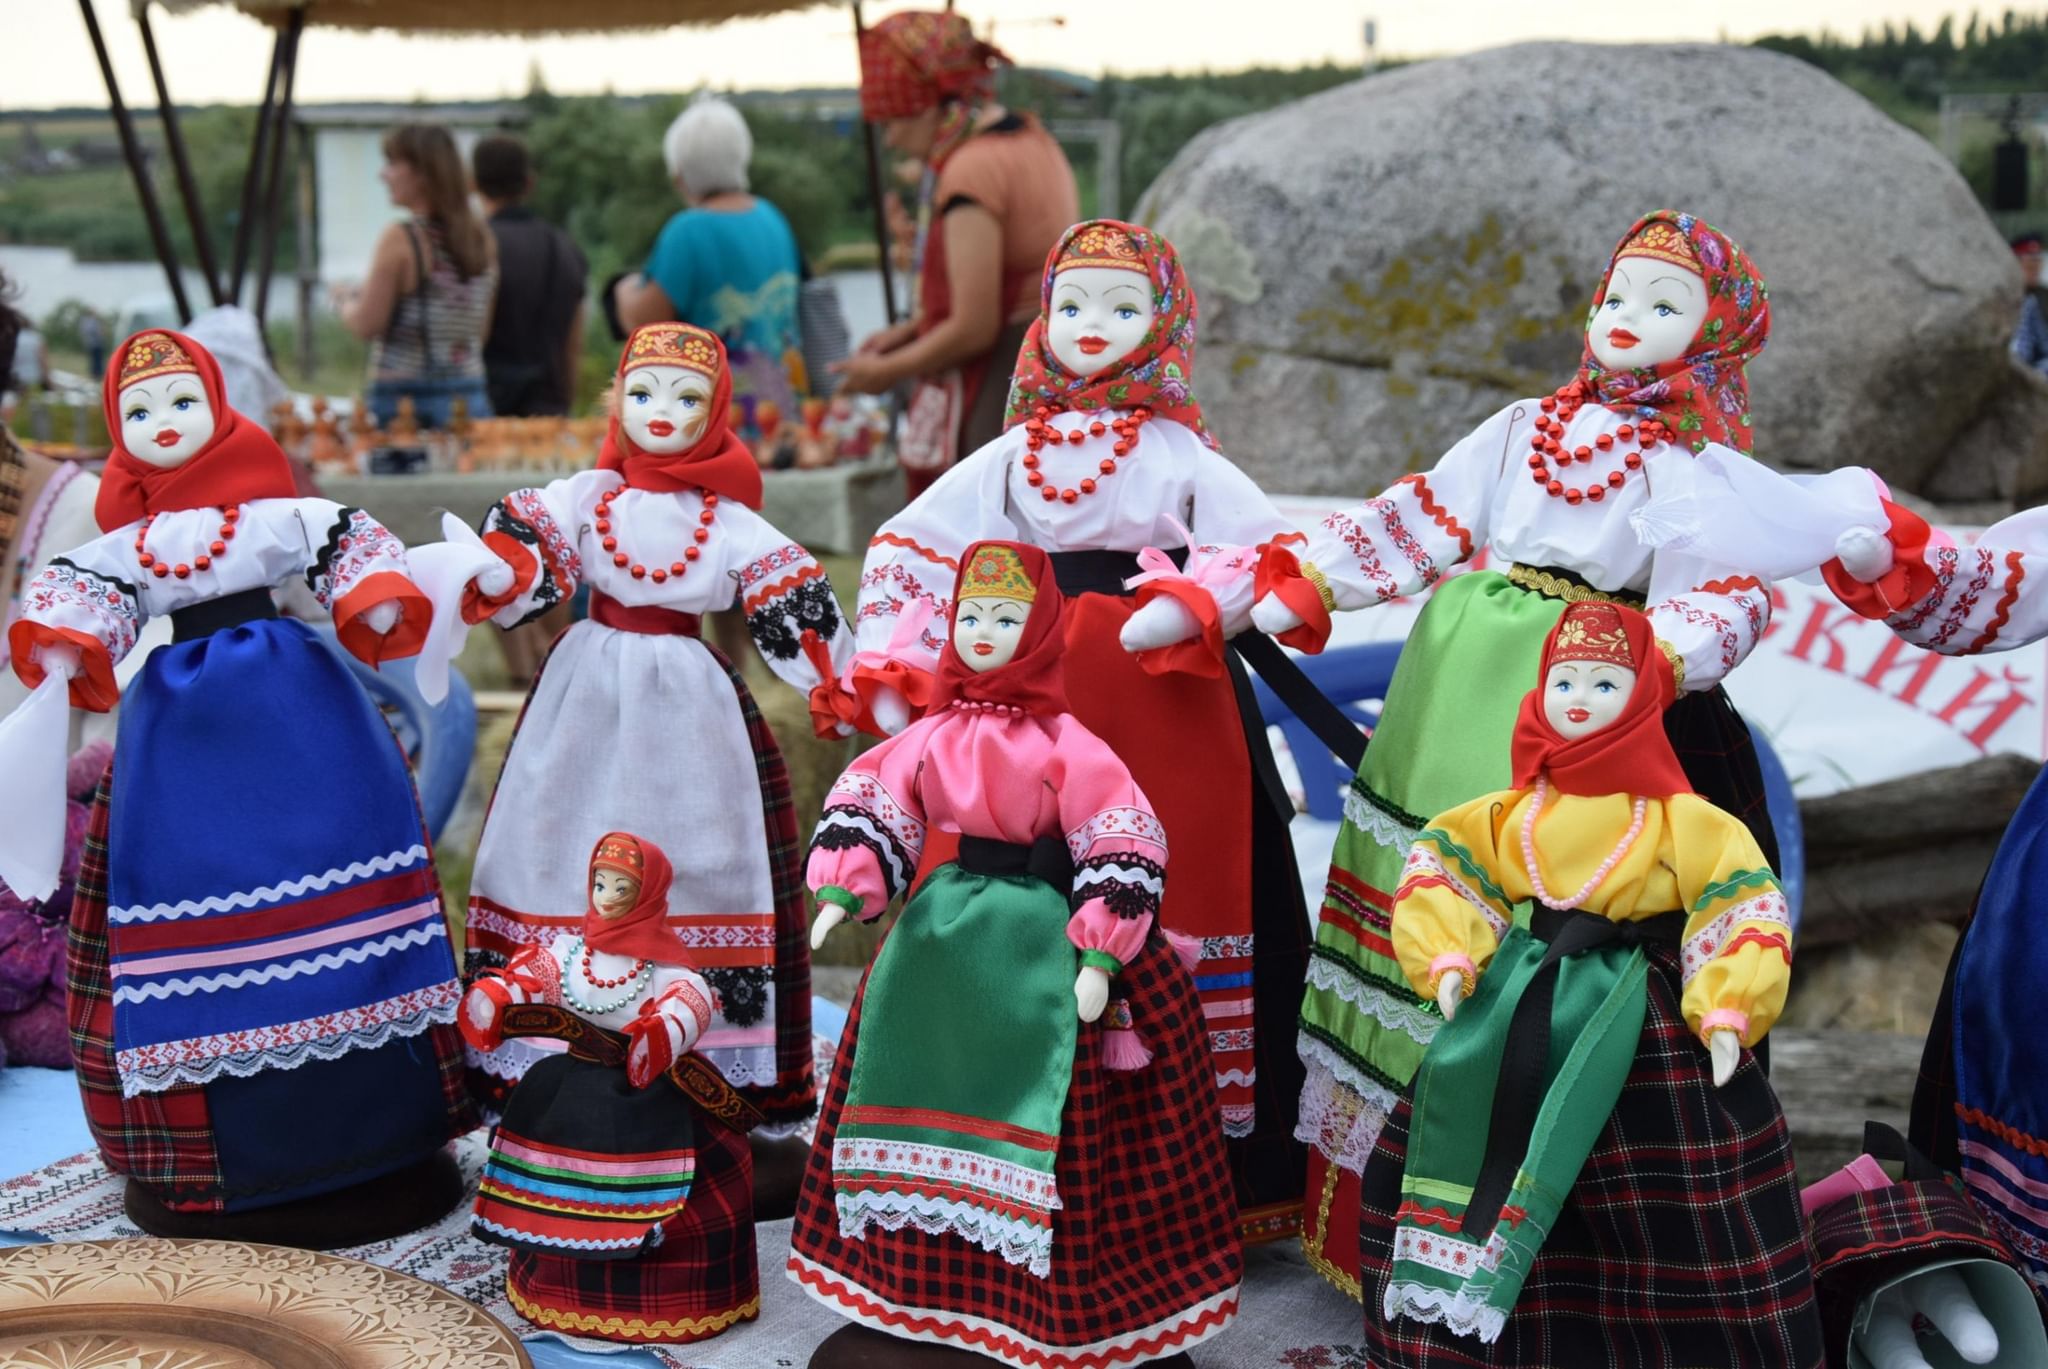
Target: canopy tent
257, 225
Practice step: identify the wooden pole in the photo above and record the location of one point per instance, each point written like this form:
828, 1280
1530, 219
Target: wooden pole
181, 161
874, 156
280, 139
159, 232
259, 144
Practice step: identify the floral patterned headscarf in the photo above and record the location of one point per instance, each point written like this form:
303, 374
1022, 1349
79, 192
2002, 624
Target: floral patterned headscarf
1159, 374
1703, 396
920, 59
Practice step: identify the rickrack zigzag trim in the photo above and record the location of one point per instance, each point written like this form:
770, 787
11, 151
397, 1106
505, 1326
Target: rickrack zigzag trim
694, 1328
291, 969
290, 888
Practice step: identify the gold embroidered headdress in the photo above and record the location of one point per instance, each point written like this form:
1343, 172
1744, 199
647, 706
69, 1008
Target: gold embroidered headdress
672, 344
154, 354
1661, 241
997, 573
1102, 244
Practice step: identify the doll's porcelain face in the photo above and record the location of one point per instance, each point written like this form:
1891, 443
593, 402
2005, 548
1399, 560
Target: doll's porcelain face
1584, 697
612, 893
165, 419
1099, 316
1650, 314
664, 408
986, 631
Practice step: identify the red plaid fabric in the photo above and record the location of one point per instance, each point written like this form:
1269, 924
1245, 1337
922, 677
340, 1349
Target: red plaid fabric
701, 1279
162, 1140
1682, 1244
794, 1096
1146, 1237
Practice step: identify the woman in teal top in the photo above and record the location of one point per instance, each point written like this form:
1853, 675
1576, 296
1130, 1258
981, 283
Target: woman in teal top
728, 263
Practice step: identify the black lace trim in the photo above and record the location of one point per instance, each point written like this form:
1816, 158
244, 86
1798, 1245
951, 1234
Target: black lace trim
742, 993
892, 856
546, 593
778, 624
1125, 899
343, 521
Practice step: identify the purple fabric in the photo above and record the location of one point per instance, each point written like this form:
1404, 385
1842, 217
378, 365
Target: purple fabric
32, 1026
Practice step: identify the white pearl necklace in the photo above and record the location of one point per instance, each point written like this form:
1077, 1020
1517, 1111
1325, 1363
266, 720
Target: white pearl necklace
1543, 894
579, 960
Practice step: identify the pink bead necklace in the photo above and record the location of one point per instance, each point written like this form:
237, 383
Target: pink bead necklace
1635, 829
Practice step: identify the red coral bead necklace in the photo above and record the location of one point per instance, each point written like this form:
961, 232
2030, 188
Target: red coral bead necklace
215, 549
1548, 446
1039, 432
658, 574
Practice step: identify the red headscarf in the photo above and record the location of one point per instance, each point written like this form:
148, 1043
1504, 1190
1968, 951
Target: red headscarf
1159, 375
718, 461
1034, 679
643, 932
1702, 396
1632, 755
920, 59
239, 463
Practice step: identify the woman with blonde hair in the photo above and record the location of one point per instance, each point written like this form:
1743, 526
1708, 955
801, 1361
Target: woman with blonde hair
426, 305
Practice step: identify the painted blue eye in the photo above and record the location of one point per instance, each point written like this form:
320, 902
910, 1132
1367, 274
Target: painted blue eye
1665, 311
1563, 686
1006, 623
1613, 302
969, 620
1126, 313
181, 405
691, 401
1071, 310
639, 396
1605, 686
137, 415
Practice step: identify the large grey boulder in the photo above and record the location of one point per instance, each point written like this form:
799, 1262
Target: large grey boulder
1383, 265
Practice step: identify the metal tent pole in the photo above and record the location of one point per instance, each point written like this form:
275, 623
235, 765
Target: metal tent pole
259, 144
280, 138
874, 156
181, 162
159, 233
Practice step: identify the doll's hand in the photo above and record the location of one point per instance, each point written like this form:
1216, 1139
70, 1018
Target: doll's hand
483, 1013
1944, 1299
1162, 622
381, 618
494, 581
1272, 616
1450, 992
653, 1049
891, 710
830, 915
1865, 553
1091, 991
62, 661
1726, 1049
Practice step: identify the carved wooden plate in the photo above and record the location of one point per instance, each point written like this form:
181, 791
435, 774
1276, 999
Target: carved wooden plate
156, 1304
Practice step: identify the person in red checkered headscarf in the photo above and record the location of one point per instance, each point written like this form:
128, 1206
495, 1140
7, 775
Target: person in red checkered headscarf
996, 194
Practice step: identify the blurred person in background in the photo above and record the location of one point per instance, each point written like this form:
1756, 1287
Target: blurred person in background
2030, 343
536, 337
997, 193
425, 307
728, 262
92, 336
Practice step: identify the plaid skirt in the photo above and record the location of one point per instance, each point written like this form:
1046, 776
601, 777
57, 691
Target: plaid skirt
700, 1279
1682, 1245
790, 1100
168, 1140
1145, 1255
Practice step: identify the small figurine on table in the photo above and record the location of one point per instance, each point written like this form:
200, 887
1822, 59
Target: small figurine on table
1587, 1161
625, 1192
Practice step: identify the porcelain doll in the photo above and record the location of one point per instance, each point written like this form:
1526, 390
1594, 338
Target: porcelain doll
1980, 1107
628, 1211
1106, 455
1586, 1163
1550, 487
636, 722
1019, 1155
262, 991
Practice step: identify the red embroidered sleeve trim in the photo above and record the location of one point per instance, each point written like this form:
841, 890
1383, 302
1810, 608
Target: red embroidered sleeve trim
890, 539
1441, 515
783, 586
2016, 571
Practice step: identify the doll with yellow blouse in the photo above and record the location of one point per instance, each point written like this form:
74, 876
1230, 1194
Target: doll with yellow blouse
1589, 1162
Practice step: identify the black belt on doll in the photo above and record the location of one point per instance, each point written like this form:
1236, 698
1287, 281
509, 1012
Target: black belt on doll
1518, 1092
1046, 858
1104, 572
216, 615
698, 1079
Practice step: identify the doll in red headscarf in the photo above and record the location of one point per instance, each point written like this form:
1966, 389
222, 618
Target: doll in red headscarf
1019, 1156
629, 1212
1587, 1162
638, 722
263, 994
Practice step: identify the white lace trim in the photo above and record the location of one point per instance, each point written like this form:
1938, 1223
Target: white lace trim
290, 888
1341, 1117
289, 1057
1454, 1311
1403, 1014
946, 1164
1368, 818
1017, 1241
529, 1238
741, 1066
290, 969
1225, 1078
1239, 1119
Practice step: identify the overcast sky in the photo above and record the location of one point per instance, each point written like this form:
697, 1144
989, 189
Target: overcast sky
218, 55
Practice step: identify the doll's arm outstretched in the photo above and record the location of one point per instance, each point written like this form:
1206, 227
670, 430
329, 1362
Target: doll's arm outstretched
671, 1022
79, 618
871, 837
533, 531
531, 976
